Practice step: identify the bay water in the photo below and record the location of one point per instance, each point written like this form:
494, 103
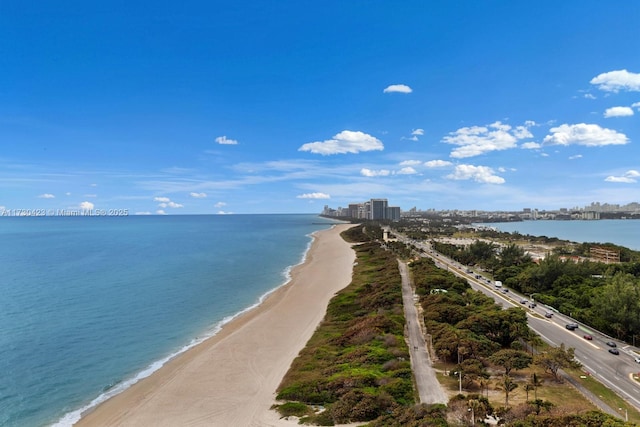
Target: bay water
621, 232
90, 305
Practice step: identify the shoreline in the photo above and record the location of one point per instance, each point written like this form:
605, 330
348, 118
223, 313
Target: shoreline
230, 378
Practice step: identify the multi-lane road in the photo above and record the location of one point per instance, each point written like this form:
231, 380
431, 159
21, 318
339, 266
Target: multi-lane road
614, 371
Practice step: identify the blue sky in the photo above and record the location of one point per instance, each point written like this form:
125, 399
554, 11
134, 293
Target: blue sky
285, 106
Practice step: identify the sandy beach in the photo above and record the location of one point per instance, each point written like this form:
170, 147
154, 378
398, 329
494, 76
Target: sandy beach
231, 378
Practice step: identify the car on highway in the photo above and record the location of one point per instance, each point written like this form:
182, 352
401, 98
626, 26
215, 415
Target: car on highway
614, 351
571, 326
611, 344
548, 315
524, 301
637, 359
587, 337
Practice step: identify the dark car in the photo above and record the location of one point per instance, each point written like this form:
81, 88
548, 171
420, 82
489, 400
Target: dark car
614, 351
571, 326
611, 344
587, 337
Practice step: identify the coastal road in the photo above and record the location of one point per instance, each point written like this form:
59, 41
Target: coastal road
428, 386
614, 371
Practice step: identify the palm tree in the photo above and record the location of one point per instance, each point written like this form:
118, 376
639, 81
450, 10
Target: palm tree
535, 382
507, 384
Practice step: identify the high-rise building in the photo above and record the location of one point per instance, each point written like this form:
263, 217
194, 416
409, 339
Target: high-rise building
378, 209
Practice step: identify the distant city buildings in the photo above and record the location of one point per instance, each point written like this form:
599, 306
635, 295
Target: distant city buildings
373, 209
379, 209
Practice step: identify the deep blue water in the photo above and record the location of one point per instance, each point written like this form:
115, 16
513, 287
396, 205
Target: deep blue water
617, 231
89, 305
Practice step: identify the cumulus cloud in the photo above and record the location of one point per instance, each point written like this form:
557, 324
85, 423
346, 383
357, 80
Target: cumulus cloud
161, 212
636, 105
437, 163
314, 196
482, 174
345, 142
223, 140
615, 81
589, 135
397, 88
46, 196
618, 112
198, 195
477, 140
220, 204
417, 132
629, 177
86, 206
407, 171
530, 146
165, 202
371, 172
410, 163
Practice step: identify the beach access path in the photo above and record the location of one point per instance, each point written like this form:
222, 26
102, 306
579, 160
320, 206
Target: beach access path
231, 378
429, 388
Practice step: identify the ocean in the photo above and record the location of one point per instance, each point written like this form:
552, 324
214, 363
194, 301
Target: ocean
90, 305
621, 232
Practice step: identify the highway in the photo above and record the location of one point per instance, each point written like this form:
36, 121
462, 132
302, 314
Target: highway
614, 371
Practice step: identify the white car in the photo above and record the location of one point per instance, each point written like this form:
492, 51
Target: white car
637, 359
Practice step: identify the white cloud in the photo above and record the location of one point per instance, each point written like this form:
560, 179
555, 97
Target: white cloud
143, 213
345, 142
418, 132
437, 163
584, 134
198, 195
530, 146
165, 202
220, 204
629, 177
46, 196
615, 81
398, 88
618, 112
161, 212
314, 196
370, 172
577, 156
407, 171
226, 141
86, 206
410, 163
482, 174
589, 96
636, 105
67, 193
477, 140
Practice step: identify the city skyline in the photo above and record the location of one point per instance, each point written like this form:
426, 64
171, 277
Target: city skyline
253, 107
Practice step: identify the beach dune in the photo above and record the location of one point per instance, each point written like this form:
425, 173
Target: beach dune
231, 378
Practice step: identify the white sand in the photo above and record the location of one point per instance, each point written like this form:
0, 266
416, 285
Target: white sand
230, 379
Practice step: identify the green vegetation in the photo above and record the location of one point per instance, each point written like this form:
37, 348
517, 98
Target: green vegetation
356, 365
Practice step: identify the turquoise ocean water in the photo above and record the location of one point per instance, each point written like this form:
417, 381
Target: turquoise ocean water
617, 231
89, 305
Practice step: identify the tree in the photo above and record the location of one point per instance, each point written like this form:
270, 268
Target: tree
535, 382
556, 358
507, 384
511, 359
